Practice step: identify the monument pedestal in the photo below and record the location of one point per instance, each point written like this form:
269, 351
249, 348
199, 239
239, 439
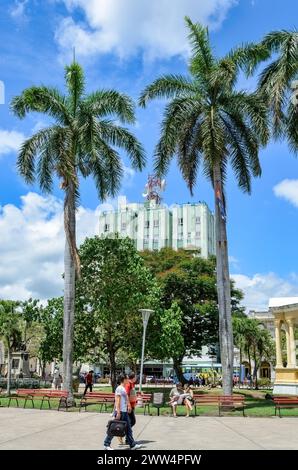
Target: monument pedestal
20, 364
286, 381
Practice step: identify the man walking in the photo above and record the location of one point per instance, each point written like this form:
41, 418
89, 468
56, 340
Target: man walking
88, 381
122, 406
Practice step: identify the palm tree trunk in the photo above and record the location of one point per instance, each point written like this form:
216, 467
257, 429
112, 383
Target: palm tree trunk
69, 289
223, 287
8, 371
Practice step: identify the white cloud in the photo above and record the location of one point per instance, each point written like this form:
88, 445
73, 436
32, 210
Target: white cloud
287, 189
155, 27
128, 176
234, 262
32, 244
259, 288
18, 9
10, 141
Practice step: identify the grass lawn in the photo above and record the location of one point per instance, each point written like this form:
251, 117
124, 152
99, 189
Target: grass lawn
256, 404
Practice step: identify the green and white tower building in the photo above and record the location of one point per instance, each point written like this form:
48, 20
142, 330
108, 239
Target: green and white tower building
153, 225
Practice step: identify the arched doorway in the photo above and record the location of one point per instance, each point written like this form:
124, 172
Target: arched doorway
246, 367
265, 370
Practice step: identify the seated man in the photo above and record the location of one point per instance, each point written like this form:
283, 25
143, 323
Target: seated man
179, 397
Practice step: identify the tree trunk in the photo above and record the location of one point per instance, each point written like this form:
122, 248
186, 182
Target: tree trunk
240, 360
69, 289
223, 287
8, 371
178, 369
112, 359
255, 373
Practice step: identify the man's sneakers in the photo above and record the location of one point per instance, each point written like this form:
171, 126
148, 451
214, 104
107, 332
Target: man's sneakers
136, 446
108, 448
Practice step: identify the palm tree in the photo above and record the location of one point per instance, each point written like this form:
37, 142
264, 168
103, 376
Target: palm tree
210, 123
80, 142
10, 332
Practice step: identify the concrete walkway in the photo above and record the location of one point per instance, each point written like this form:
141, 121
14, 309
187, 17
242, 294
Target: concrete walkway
35, 429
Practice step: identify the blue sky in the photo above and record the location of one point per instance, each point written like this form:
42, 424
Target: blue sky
125, 44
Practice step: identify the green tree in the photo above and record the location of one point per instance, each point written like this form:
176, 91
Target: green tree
30, 313
51, 344
114, 284
189, 281
10, 332
251, 337
209, 122
80, 142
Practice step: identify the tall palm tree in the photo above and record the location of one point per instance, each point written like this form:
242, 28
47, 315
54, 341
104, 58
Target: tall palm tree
80, 142
209, 122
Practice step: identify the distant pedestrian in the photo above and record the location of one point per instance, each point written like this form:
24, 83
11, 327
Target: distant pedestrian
88, 381
57, 379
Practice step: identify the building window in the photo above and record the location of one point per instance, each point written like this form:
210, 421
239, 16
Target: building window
147, 223
156, 223
198, 234
189, 235
107, 228
123, 226
198, 220
180, 221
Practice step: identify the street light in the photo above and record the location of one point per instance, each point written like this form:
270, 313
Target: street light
145, 316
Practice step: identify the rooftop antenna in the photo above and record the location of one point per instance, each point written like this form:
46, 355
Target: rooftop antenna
153, 189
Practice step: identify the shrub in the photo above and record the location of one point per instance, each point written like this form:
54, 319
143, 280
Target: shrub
264, 382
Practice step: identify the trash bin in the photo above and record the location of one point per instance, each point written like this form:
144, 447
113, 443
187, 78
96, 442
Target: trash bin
158, 401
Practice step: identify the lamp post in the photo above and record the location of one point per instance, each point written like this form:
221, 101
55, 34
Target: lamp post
145, 316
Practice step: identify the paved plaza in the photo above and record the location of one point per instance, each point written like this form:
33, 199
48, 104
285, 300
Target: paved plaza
35, 429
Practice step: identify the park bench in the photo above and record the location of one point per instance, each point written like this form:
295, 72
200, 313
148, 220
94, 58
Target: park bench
97, 398
222, 402
146, 400
285, 402
44, 394
200, 399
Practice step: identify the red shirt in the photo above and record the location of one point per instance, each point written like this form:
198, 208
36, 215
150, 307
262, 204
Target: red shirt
132, 396
89, 378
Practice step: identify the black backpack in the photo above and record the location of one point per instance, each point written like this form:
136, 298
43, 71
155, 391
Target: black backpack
116, 427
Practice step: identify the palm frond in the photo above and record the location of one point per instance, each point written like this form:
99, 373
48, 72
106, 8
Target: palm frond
29, 151
122, 138
75, 81
105, 103
42, 99
108, 163
202, 59
176, 114
167, 86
